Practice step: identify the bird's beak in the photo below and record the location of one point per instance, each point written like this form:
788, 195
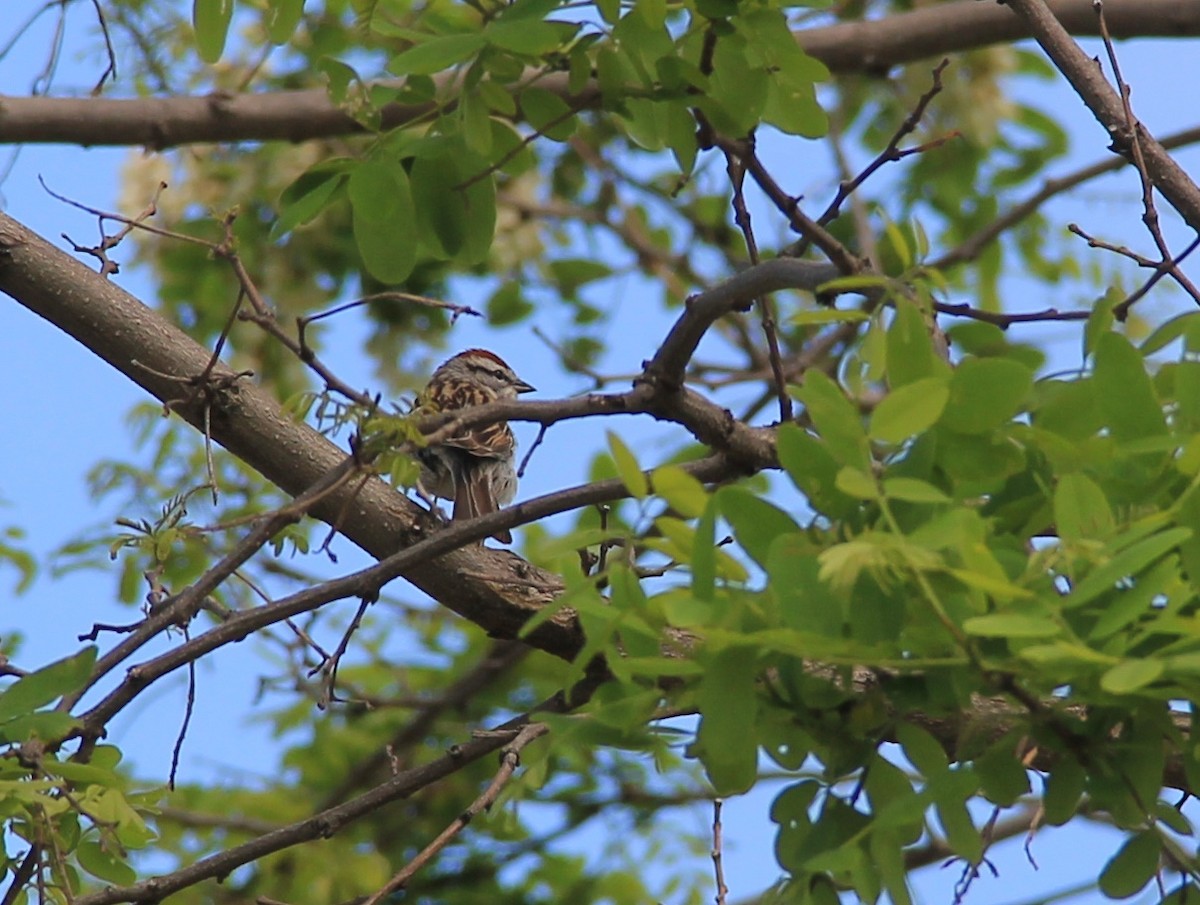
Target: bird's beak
523, 387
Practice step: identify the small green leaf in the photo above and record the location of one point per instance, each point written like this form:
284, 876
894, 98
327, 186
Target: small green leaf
383, 218
1081, 510
756, 523
548, 113
704, 554
305, 208
282, 18
1131, 868
857, 484
1124, 391
1064, 790
1002, 776
813, 470
1127, 563
436, 53
1129, 676
729, 709
508, 305
986, 393
909, 410
910, 354
630, 472
1011, 625
822, 316
531, 38
684, 493
912, 490
47, 684
836, 419
99, 862
47, 725
210, 21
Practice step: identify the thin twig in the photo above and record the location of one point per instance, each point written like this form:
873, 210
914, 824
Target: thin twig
890, 154
1121, 309
187, 717
736, 168
718, 867
1134, 126
510, 759
330, 666
111, 68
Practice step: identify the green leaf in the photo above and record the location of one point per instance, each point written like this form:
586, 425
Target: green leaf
1132, 867
1129, 676
909, 410
1124, 391
305, 208
1002, 776
531, 38
456, 223
729, 708
630, 472
47, 725
282, 18
813, 470
857, 484
1170, 331
1011, 625
210, 21
1064, 790
806, 603
47, 684
384, 219
684, 493
99, 862
923, 750
910, 354
755, 522
986, 393
548, 113
913, 490
571, 273
822, 316
508, 305
1081, 510
836, 419
436, 53
1127, 563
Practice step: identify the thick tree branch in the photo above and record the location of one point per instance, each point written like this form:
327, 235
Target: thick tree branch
250, 424
1108, 107
870, 46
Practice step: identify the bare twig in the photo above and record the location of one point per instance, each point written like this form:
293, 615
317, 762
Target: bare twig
330, 666
510, 759
187, 718
1108, 107
973, 246
718, 867
1135, 132
736, 168
890, 154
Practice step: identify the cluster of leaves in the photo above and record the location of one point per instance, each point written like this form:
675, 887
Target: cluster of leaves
981, 532
82, 808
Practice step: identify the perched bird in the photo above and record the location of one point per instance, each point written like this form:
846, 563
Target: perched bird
475, 467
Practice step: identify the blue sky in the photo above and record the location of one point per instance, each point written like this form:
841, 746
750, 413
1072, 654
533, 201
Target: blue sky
60, 418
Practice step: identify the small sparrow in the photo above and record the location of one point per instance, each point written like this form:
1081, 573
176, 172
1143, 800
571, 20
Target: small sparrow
475, 468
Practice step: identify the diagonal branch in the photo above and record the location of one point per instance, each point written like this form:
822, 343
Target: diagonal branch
1109, 108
